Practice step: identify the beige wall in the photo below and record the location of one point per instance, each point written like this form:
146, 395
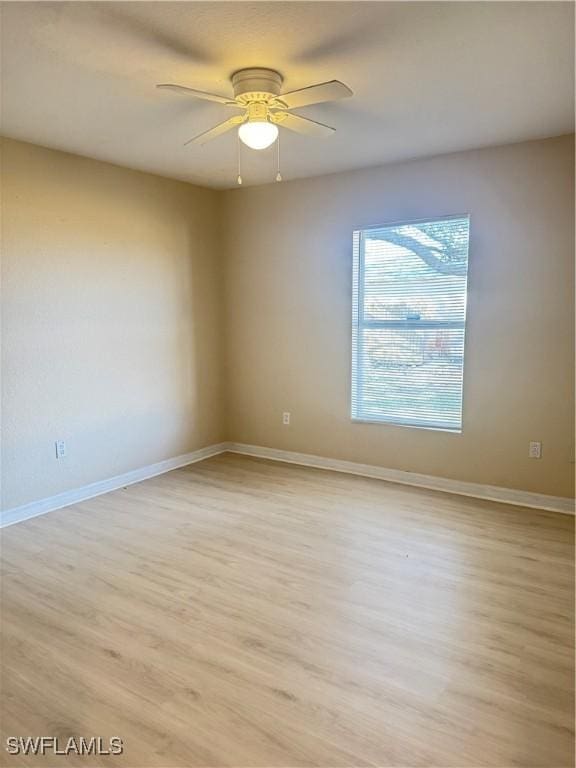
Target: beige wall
112, 306
288, 300
111, 320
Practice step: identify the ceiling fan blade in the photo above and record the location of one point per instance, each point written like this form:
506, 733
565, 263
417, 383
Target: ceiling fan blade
198, 94
301, 124
218, 130
315, 94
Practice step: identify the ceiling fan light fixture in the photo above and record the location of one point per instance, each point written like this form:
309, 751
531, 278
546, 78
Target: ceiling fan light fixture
258, 134
258, 94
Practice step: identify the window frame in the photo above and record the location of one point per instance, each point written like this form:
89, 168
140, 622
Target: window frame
359, 323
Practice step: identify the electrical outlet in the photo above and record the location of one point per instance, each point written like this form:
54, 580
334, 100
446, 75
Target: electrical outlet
286, 418
60, 449
535, 450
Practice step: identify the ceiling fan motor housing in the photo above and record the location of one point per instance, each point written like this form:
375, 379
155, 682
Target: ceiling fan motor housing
253, 86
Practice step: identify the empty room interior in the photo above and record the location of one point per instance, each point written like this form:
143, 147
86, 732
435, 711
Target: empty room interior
287, 434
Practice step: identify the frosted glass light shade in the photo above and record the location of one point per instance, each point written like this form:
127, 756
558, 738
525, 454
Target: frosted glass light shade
258, 135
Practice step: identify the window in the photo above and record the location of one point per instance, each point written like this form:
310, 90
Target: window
409, 318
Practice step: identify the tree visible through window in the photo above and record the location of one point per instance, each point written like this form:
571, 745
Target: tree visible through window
409, 316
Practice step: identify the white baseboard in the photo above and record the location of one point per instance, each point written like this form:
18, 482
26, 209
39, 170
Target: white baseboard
41, 507
476, 490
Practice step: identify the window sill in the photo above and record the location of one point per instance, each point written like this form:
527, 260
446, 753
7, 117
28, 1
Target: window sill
449, 430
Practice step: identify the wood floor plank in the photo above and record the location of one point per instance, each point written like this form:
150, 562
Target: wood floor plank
241, 612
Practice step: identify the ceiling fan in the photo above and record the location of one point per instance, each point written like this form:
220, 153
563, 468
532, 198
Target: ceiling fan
264, 108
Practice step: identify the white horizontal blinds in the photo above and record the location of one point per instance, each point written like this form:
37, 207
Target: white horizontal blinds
408, 325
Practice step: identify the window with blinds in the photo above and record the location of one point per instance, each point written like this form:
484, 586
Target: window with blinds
409, 319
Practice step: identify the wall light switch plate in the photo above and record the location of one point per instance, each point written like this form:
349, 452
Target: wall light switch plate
535, 450
60, 449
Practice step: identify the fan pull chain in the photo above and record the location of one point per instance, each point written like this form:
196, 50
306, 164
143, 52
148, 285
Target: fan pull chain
278, 174
239, 164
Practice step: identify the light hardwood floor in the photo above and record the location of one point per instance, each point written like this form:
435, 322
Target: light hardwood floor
248, 613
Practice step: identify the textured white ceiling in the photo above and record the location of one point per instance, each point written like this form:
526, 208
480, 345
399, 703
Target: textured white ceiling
428, 78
